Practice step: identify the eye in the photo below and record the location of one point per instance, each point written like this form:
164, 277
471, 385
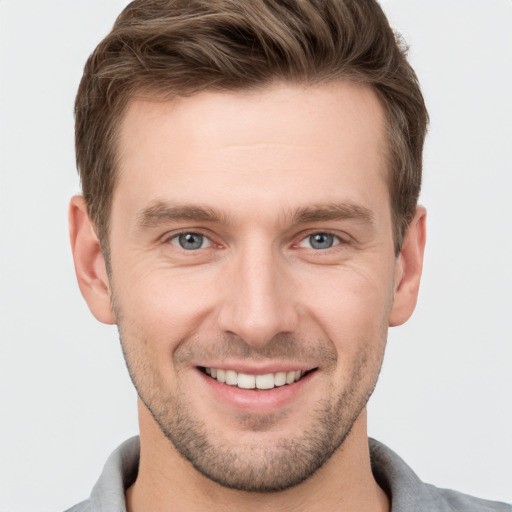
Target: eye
319, 241
190, 241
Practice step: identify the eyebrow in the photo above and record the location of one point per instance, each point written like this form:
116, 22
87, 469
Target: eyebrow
333, 212
161, 212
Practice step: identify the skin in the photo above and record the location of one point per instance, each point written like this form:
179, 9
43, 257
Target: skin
272, 166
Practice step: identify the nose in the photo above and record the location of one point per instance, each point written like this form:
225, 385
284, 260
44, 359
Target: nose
258, 298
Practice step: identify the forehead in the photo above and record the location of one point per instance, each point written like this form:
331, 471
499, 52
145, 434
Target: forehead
284, 145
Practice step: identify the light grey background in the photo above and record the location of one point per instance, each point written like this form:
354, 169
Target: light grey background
445, 394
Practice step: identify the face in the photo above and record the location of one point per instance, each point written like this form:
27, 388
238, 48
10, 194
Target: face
253, 273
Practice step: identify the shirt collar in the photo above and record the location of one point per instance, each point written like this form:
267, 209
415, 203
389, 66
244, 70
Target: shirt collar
405, 490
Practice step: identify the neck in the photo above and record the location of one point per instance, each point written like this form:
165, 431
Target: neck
166, 481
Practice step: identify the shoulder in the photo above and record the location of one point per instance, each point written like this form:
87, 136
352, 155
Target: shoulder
84, 506
119, 472
453, 501
409, 494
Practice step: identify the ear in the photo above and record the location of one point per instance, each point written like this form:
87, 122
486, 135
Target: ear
90, 266
409, 265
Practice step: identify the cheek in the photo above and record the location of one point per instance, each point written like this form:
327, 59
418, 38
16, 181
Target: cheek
351, 306
162, 307
348, 289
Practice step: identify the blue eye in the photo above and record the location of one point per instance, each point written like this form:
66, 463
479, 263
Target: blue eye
190, 241
320, 241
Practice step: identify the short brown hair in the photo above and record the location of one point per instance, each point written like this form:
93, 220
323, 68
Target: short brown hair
181, 47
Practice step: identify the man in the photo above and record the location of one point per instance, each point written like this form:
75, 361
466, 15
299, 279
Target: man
249, 220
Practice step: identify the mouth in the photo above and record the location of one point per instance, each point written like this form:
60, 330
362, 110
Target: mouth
249, 381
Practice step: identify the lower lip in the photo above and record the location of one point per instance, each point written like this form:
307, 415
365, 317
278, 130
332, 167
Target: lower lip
253, 400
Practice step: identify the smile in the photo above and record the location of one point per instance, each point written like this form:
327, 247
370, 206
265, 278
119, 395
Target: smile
247, 381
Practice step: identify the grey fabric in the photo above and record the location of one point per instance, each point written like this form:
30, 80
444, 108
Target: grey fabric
119, 472
409, 494
406, 491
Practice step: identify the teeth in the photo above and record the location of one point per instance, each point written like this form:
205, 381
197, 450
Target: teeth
280, 379
231, 378
246, 381
265, 381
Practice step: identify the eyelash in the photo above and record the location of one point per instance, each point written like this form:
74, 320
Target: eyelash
185, 233
335, 239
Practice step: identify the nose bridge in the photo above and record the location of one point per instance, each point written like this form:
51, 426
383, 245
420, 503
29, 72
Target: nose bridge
259, 303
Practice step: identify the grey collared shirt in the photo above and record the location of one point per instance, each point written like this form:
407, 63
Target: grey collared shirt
406, 491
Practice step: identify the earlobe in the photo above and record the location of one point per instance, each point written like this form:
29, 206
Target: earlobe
409, 266
90, 266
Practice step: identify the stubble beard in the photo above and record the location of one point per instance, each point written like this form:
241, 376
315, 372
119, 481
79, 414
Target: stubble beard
261, 467
258, 467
